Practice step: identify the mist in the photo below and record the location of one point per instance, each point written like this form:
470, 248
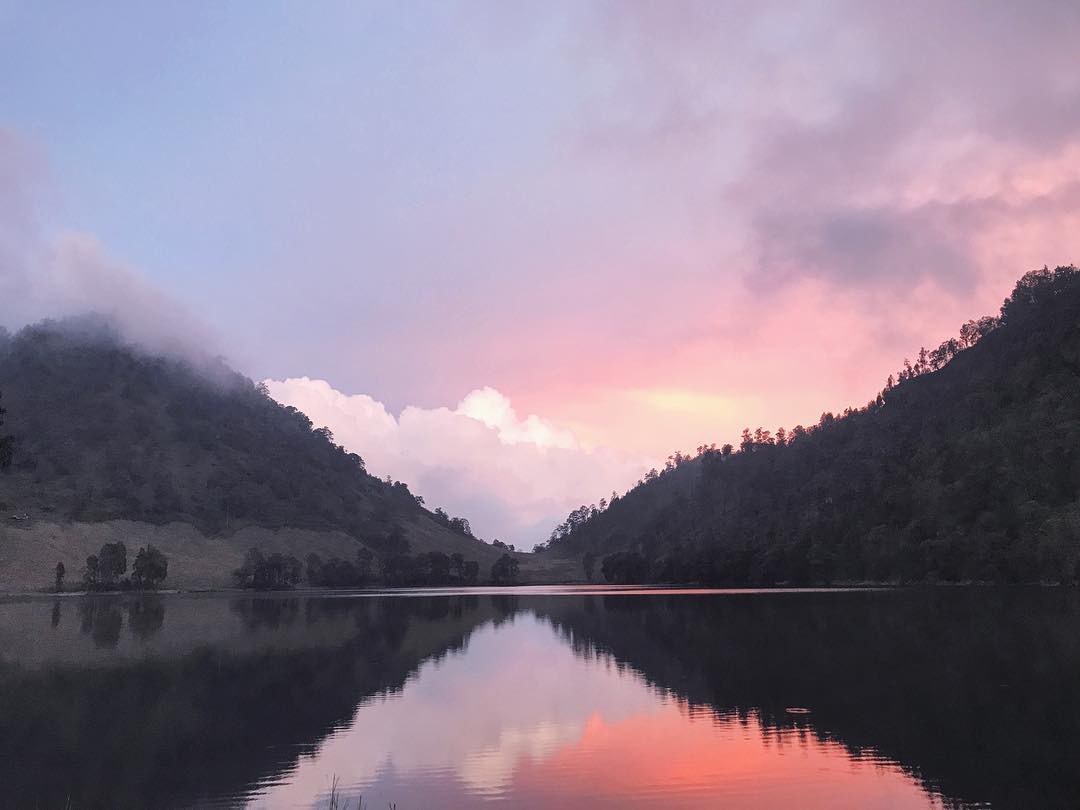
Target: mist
63, 274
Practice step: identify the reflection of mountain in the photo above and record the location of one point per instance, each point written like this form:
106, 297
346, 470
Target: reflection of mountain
186, 700
161, 731
972, 691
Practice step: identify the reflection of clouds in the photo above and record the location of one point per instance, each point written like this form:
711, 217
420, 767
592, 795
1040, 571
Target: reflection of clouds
676, 758
491, 770
521, 720
468, 722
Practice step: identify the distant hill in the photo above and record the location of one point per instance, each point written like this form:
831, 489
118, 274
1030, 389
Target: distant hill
965, 467
105, 432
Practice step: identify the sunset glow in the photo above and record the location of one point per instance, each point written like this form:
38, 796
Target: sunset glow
644, 229
615, 742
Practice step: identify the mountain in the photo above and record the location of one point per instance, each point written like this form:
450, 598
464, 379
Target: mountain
111, 442
967, 467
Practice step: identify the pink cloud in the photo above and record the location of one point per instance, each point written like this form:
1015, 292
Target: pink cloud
512, 477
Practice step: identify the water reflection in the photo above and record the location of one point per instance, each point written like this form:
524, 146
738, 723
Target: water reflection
574, 732
948, 698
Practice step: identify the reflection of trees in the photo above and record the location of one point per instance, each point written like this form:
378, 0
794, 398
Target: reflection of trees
972, 691
102, 620
146, 615
506, 607
270, 613
102, 617
164, 732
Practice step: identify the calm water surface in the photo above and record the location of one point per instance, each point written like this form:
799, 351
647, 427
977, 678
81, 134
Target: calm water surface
543, 698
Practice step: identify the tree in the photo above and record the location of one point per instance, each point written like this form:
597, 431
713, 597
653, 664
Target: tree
589, 562
294, 570
7, 445
60, 571
471, 572
90, 573
457, 562
504, 571
460, 524
150, 568
261, 572
247, 575
314, 569
396, 540
112, 562
625, 568
364, 559
434, 567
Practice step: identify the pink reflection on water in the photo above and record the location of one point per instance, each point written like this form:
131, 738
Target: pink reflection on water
519, 720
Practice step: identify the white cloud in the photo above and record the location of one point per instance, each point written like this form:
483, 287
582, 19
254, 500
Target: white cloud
513, 478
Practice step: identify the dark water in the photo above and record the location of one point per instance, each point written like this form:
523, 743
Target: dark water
542, 699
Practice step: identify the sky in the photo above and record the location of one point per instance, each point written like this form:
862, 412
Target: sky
516, 253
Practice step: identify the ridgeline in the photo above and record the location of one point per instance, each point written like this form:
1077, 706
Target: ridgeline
112, 443
966, 467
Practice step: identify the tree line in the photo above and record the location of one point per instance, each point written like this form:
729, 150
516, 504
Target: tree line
278, 571
105, 571
963, 467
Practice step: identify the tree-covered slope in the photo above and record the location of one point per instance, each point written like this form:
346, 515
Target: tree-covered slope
104, 431
967, 467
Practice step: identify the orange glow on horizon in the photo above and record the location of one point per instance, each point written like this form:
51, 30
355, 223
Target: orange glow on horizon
691, 756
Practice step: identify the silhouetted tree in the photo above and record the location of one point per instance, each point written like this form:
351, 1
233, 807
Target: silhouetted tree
60, 571
7, 444
246, 576
150, 568
625, 568
460, 524
471, 572
112, 562
314, 569
90, 572
504, 571
364, 559
588, 561
266, 573
434, 568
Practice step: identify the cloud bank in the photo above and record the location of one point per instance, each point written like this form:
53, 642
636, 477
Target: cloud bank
513, 478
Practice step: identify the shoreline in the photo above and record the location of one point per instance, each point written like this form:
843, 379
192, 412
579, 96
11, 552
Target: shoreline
524, 588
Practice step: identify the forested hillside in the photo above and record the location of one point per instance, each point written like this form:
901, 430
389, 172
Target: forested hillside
965, 467
104, 431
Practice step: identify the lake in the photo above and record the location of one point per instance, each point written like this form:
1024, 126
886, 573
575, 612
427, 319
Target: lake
544, 698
